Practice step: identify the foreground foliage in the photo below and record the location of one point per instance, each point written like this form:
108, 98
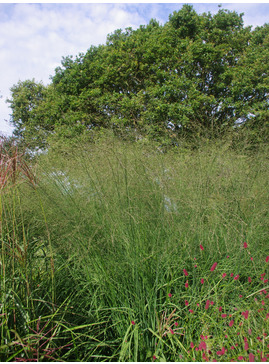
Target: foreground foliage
119, 252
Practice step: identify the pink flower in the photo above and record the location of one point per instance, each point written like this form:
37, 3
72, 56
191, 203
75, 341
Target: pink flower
185, 272
202, 281
220, 309
231, 323
251, 357
245, 245
205, 357
176, 323
240, 358
187, 284
246, 345
236, 277
207, 305
172, 332
132, 322
154, 357
224, 275
202, 345
186, 303
263, 303
192, 345
223, 315
201, 247
213, 267
232, 347
267, 259
170, 295
232, 274
249, 279
245, 314
222, 352
251, 258
191, 311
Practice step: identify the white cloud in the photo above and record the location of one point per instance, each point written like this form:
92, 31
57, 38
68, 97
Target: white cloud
35, 37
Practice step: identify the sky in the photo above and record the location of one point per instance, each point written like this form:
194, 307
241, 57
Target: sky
34, 37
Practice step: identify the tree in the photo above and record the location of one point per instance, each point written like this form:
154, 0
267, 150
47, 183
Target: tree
194, 74
26, 97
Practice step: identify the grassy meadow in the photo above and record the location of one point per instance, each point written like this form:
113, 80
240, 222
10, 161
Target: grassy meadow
115, 251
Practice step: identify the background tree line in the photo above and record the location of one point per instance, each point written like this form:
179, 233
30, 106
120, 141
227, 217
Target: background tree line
196, 74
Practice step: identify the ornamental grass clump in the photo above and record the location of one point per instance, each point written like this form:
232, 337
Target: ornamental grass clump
96, 267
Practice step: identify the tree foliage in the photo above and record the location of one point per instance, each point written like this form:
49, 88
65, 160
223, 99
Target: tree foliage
196, 73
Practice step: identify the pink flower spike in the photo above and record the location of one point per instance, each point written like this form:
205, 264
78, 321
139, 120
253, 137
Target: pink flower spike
220, 309
224, 275
186, 303
251, 357
251, 259
201, 247
202, 281
191, 311
187, 284
202, 346
132, 322
246, 345
170, 295
207, 305
223, 315
172, 332
231, 323
213, 267
192, 345
236, 277
249, 279
222, 352
176, 323
245, 245
267, 259
185, 272
245, 314
232, 274
240, 358
154, 357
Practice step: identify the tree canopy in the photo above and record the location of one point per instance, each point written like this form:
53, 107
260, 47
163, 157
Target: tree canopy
196, 73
